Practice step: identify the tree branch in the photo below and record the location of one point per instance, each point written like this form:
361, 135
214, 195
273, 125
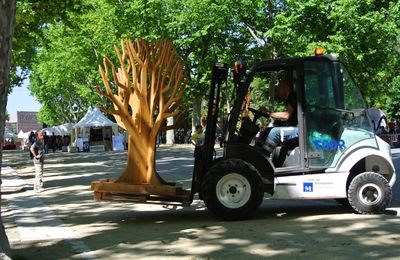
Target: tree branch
254, 34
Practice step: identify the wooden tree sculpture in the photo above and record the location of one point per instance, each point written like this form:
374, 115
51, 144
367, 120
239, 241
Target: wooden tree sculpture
146, 89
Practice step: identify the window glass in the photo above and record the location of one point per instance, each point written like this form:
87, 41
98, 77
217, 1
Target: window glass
334, 111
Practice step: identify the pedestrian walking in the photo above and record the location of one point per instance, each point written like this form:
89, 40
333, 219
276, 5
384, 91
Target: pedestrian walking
38, 161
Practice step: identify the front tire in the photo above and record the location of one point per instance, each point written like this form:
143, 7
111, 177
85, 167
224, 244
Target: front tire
232, 189
369, 193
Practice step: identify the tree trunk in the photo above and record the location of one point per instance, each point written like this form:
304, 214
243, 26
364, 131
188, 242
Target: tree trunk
136, 171
7, 16
170, 133
196, 113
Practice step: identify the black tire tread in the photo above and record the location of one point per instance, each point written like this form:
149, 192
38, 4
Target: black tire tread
209, 184
361, 179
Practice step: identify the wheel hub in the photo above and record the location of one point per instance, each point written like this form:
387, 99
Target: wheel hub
370, 194
233, 190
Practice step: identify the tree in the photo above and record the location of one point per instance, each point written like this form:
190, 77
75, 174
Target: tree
392, 104
64, 73
146, 90
361, 33
17, 31
32, 16
205, 31
7, 16
64, 69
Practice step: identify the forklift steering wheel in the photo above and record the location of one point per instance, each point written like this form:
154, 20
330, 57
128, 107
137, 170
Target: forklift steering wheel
257, 113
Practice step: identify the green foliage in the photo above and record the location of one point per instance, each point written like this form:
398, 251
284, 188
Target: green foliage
392, 105
70, 42
65, 70
31, 17
362, 34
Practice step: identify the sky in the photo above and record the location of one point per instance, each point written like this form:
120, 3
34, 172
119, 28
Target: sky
20, 99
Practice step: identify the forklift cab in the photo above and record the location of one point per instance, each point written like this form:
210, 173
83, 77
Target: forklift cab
335, 155
331, 113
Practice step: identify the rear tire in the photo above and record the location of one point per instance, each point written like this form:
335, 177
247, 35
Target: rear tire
369, 193
232, 189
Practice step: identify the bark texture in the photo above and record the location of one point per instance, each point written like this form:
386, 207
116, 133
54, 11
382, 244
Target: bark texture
7, 16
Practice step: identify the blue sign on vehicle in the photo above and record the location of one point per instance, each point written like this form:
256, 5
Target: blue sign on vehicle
307, 187
327, 144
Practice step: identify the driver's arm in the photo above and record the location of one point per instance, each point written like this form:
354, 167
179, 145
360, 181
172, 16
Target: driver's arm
280, 115
283, 115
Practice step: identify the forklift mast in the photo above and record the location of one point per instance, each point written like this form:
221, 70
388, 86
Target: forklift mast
204, 162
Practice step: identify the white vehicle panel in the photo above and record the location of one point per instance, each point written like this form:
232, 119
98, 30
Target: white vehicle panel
359, 150
311, 186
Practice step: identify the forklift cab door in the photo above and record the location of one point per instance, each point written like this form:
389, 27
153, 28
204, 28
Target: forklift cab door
335, 114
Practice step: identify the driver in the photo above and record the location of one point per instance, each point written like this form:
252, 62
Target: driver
289, 129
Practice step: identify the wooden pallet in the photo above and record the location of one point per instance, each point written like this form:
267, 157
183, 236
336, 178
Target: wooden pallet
110, 190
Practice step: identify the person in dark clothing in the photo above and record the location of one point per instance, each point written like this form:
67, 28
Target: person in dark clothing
53, 142
288, 127
31, 140
46, 141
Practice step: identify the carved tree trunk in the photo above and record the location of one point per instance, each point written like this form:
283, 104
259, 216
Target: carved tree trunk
140, 161
147, 89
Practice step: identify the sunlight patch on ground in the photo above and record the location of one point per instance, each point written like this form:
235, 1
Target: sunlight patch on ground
263, 250
352, 228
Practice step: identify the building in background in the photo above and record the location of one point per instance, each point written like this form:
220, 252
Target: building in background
25, 121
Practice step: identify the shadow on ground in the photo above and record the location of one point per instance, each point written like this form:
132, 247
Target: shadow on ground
279, 229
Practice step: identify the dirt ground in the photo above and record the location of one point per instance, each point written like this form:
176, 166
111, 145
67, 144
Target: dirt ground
64, 222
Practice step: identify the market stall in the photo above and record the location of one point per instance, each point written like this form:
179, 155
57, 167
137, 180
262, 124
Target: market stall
94, 132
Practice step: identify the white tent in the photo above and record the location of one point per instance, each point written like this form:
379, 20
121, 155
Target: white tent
24, 138
66, 128
94, 118
50, 130
22, 135
100, 130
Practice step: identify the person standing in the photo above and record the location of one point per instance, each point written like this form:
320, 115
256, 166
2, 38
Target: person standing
46, 141
31, 140
53, 142
38, 161
197, 140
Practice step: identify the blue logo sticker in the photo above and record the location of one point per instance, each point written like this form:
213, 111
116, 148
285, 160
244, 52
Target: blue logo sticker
329, 144
307, 187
